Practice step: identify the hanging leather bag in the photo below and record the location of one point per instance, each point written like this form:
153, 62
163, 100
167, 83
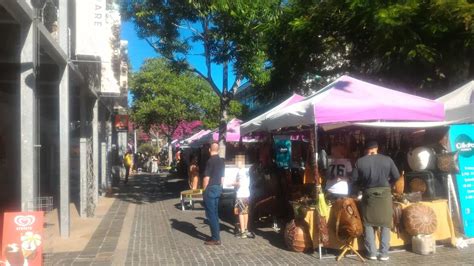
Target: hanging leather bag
448, 162
349, 222
397, 224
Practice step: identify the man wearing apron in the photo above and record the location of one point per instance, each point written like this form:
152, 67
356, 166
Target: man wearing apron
374, 173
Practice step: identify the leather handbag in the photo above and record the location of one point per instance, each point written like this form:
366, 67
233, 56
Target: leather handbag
397, 218
349, 222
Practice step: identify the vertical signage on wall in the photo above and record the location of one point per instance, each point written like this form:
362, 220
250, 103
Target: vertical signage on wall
461, 138
90, 27
22, 242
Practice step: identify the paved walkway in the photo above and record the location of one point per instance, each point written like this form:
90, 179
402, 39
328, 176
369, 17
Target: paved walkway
145, 226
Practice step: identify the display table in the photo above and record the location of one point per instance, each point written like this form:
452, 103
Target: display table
443, 233
190, 196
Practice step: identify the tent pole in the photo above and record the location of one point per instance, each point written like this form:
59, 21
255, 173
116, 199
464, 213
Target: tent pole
314, 147
314, 150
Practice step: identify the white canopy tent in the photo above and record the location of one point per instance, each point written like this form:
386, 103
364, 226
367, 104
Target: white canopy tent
256, 123
459, 104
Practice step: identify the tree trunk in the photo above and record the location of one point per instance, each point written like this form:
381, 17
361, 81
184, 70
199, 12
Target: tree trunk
225, 101
223, 129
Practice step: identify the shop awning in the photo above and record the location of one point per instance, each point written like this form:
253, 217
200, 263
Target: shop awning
351, 100
256, 123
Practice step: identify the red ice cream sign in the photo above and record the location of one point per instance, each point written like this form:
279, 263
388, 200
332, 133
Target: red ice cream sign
22, 243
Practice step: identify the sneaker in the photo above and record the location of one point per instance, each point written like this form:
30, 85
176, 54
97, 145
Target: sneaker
384, 258
242, 235
371, 257
250, 234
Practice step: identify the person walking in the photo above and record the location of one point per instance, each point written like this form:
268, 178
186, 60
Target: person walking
374, 173
128, 164
214, 172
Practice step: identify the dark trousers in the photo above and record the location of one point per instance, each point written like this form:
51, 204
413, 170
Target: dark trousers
127, 173
211, 200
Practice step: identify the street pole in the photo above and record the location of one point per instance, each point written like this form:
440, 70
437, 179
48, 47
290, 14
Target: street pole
135, 140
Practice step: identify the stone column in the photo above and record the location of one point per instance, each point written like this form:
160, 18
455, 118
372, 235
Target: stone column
103, 168
95, 150
83, 176
28, 166
64, 138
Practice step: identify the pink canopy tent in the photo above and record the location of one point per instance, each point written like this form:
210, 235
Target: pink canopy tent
351, 100
233, 131
232, 135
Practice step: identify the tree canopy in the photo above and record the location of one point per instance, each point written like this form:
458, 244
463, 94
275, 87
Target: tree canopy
180, 29
165, 98
422, 45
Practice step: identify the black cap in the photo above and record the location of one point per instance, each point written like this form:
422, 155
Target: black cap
371, 144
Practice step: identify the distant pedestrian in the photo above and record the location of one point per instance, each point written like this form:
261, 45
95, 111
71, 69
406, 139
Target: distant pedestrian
128, 164
214, 172
375, 173
154, 164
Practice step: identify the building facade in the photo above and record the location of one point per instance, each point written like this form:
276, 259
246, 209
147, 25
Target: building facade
58, 103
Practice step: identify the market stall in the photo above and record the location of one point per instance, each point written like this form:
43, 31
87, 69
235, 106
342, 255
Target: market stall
444, 232
350, 101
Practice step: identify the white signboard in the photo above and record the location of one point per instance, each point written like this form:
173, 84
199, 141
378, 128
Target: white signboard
90, 26
94, 37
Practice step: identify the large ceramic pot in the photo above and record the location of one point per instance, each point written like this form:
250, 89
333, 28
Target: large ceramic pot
297, 236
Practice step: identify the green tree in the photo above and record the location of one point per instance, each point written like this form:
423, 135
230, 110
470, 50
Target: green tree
164, 98
423, 45
176, 28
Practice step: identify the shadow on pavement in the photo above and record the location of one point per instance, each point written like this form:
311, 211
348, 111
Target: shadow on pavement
188, 228
223, 226
149, 188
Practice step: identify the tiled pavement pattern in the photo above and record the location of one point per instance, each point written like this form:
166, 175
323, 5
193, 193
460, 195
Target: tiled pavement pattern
100, 248
162, 234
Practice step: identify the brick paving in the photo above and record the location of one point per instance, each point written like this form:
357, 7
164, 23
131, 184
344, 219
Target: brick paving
162, 234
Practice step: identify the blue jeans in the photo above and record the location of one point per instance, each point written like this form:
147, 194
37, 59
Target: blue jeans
370, 240
211, 202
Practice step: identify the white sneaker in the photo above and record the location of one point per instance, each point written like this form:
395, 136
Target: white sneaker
384, 258
371, 258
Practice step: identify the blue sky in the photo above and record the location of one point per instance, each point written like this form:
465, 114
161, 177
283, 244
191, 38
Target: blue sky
139, 50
